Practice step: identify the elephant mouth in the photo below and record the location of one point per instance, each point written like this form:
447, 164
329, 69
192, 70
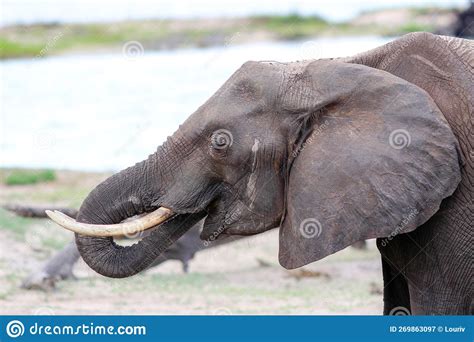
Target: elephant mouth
218, 223
129, 226
235, 219
144, 222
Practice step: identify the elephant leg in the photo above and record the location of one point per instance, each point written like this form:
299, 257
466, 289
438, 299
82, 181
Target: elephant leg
396, 296
436, 261
59, 267
444, 252
436, 292
445, 288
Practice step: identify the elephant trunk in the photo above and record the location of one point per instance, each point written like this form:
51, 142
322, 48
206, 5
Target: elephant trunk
107, 258
126, 194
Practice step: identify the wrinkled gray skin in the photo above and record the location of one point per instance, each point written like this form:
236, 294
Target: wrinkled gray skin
430, 270
60, 266
313, 148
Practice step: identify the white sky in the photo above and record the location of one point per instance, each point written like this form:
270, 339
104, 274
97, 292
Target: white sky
27, 11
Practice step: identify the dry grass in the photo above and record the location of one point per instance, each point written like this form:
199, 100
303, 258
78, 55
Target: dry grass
240, 278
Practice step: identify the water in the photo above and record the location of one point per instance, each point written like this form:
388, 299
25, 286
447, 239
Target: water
106, 112
28, 11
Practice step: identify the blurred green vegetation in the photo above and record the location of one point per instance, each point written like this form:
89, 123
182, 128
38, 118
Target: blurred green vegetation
40, 233
64, 188
241, 291
15, 224
24, 177
49, 39
415, 27
293, 26
42, 188
11, 49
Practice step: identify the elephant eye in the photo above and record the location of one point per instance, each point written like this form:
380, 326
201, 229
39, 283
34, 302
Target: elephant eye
221, 139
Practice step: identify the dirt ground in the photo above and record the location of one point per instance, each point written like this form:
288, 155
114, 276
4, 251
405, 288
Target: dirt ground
243, 277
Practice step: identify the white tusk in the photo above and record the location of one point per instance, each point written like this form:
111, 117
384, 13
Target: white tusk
106, 230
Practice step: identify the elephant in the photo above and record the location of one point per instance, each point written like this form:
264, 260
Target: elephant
464, 26
60, 266
331, 151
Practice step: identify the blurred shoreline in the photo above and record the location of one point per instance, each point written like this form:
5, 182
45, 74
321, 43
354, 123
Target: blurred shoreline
64, 187
41, 40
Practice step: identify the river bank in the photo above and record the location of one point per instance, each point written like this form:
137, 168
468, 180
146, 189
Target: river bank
41, 40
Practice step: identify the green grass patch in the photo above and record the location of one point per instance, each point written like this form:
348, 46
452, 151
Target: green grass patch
414, 27
49, 39
43, 234
292, 26
15, 224
55, 242
11, 49
191, 280
24, 177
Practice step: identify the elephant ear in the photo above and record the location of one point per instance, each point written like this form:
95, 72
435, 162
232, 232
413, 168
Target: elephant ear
379, 160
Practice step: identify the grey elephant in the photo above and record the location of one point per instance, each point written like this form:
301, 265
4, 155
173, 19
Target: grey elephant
378, 145
60, 266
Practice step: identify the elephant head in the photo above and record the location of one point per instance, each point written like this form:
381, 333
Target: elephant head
330, 152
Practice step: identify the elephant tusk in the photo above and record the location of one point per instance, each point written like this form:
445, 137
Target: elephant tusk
109, 230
